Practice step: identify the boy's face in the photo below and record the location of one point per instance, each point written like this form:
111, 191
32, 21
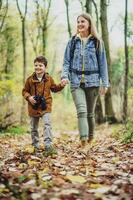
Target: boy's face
39, 68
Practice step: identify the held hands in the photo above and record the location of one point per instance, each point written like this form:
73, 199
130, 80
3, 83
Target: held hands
103, 90
64, 82
32, 100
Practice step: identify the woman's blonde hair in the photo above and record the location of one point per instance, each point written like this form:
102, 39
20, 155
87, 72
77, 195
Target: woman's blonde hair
92, 27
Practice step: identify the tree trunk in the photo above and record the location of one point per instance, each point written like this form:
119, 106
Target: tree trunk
44, 38
88, 6
96, 11
23, 17
68, 21
125, 102
70, 34
23, 108
45, 25
3, 16
109, 112
99, 110
24, 50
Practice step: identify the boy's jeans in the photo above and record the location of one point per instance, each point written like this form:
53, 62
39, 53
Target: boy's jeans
85, 102
47, 130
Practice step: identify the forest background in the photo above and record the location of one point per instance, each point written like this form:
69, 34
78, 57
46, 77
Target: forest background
29, 28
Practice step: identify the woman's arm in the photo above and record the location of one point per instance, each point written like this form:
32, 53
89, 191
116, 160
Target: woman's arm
102, 64
66, 62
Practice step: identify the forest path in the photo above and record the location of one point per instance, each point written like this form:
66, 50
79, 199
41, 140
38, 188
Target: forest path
105, 173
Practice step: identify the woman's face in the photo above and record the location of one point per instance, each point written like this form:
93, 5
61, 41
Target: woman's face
82, 25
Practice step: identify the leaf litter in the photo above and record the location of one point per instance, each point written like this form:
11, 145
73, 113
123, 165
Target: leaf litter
104, 173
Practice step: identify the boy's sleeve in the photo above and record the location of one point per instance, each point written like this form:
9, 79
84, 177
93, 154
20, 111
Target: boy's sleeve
26, 90
55, 87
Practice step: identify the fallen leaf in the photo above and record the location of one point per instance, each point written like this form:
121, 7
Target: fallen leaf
46, 177
69, 191
76, 179
100, 189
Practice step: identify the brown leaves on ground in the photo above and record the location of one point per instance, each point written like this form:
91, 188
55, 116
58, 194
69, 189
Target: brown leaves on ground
104, 173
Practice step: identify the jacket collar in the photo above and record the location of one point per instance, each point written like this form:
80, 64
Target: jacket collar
78, 37
35, 79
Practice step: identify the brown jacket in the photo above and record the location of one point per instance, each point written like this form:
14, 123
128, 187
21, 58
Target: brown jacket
34, 87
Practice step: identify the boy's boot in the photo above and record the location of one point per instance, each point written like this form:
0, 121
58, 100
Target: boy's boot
50, 151
36, 147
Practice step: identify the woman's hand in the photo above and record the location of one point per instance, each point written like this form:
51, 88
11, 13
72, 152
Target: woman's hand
32, 100
103, 90
64, 82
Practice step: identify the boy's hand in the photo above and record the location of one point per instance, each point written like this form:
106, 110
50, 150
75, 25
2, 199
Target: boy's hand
64, 82
32, 100
103, 90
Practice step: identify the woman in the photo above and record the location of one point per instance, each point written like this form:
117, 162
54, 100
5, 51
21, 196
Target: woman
85, 67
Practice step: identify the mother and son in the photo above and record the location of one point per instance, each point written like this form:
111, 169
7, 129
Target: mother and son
85, 67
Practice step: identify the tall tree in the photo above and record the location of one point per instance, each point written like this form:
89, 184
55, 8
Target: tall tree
38, 29
99, 110
45, 24
23, 19
68, 20
96, 11
125, 102
89, 9
110, 116
70, 34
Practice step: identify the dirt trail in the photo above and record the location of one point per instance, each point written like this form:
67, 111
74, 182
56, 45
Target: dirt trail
104, 173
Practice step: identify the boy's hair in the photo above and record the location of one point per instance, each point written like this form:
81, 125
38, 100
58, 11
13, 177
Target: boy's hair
41, 59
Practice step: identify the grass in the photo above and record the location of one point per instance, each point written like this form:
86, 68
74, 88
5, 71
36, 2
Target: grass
128, 132
124, 132
15, 130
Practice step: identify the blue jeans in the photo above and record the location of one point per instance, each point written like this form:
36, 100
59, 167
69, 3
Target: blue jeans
85, 102
47, 130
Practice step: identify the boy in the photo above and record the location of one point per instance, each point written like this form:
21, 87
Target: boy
37, 91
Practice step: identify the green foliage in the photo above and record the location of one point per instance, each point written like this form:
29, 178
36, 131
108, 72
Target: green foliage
6, 87
118, 68
8, 43
16, 130
130, 25
124, 133
128, 133
130, 92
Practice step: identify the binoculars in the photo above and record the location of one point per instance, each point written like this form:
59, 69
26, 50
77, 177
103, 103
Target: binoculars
40, 100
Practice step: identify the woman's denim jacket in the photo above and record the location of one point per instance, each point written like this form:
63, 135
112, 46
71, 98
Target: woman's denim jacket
95, 64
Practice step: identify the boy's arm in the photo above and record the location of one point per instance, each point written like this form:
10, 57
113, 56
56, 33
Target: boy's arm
26, 90
55, 87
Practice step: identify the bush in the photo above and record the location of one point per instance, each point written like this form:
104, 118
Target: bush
124, 133
128, 133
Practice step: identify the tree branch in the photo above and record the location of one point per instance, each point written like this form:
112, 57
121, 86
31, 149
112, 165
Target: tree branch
19, 10
2, 23
96, 11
